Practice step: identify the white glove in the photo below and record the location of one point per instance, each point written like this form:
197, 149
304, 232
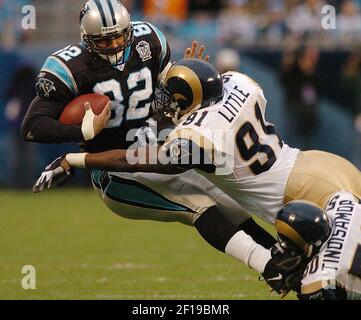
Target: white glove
53, 174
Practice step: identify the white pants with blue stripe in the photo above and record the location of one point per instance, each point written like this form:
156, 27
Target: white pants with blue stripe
168, 198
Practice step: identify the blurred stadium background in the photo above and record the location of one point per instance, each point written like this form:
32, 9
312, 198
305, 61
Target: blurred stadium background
311, 77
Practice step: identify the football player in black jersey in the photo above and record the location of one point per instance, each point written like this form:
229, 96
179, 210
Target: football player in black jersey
116, 57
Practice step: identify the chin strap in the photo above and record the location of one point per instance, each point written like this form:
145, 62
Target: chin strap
175, 119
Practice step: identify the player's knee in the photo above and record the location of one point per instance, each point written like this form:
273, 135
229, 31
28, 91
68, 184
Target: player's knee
215, 228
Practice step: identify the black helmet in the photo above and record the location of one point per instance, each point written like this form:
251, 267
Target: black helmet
302, 227
189, 84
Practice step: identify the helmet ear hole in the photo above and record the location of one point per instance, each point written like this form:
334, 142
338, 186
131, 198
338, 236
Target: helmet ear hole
193, 83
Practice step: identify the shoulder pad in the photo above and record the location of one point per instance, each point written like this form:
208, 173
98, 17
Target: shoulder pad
146, 33
60, 65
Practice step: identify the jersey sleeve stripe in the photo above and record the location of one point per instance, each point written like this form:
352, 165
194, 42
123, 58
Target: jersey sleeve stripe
61, 71
162, 40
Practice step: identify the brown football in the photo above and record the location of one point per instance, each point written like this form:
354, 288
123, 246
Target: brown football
73, 112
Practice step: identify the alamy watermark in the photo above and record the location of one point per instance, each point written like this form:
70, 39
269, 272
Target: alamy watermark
29, 280
328, 21
29, 17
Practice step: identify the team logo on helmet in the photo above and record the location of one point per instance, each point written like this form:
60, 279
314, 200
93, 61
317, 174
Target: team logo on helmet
83, 12
143, 49
44, 87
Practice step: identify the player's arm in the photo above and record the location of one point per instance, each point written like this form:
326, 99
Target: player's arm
149, 158
41, 124
53, 92
174, 157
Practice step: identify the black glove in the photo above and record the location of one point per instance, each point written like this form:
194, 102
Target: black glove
284, 271
53, 174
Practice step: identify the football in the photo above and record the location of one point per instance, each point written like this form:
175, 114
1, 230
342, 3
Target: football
74, 111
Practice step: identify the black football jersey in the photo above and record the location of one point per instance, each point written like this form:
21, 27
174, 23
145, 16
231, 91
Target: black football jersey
75, 70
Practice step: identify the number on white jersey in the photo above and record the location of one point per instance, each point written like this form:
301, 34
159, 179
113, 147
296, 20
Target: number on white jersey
249, 146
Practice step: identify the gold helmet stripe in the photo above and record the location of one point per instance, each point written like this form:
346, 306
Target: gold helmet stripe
189, 76
286, 230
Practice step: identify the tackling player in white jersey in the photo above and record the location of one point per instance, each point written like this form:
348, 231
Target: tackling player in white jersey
223, 135
330, 240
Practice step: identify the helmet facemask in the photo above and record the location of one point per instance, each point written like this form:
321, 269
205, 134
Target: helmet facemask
102, 45
106, 30
166, 105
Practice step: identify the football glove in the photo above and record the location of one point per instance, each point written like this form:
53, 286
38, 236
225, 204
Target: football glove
54, 173
283, 273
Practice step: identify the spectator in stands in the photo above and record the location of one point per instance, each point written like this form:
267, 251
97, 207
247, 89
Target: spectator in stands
165, 13
275, 27
11, 31
302, 87
351, 84
227, 60
304, 20
210, 6
349, 23
237, 26
20, 93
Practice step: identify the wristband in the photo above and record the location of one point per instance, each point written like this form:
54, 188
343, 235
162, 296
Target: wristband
76, 159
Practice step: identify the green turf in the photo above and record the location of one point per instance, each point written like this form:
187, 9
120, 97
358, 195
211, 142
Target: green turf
83, 251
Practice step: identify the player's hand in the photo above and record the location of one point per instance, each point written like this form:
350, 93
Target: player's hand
283, 272
194, 52
92, 124
54, 173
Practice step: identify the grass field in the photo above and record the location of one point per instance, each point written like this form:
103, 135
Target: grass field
83, 251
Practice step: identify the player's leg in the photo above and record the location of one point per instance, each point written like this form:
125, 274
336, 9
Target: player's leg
236, 241
128, 196
317, 175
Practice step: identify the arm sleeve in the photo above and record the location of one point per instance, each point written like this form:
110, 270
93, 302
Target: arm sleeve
189, 155
40, 123
54, 90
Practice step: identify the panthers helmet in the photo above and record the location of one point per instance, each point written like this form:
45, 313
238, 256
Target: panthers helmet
189, 84
102, 21
302, 227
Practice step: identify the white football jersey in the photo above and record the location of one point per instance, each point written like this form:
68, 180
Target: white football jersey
252, 163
